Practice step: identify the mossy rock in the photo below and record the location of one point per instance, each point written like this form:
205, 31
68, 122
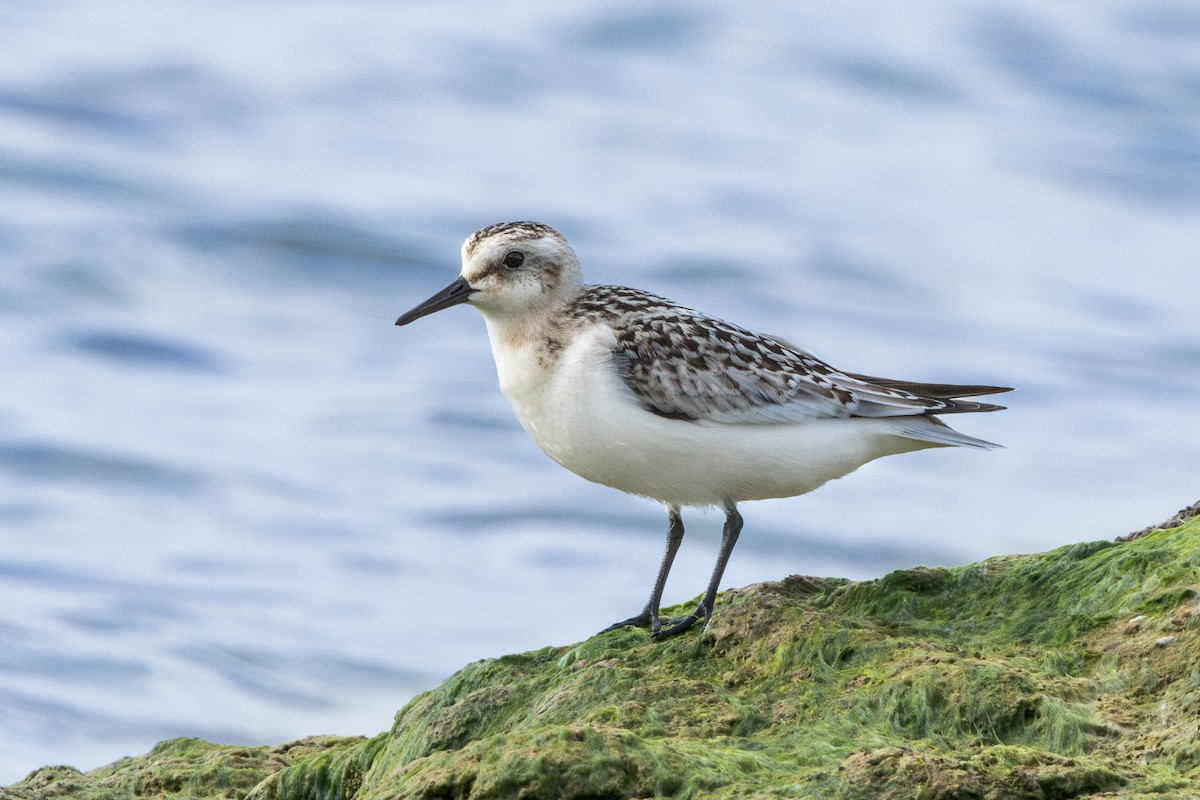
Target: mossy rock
1068, 674
176, 769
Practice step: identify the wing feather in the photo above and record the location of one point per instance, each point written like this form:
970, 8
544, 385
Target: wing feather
682, 364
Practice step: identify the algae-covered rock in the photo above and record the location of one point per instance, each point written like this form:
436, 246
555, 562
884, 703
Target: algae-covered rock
176, 768
1068, 674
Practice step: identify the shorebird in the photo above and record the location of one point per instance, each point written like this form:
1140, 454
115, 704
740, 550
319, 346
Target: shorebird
634, 391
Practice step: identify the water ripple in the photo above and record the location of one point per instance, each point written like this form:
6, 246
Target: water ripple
141, 350
45, 461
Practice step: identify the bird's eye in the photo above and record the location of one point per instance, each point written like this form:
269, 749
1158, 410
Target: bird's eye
513, 259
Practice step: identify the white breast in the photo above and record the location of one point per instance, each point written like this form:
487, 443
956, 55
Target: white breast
552, 390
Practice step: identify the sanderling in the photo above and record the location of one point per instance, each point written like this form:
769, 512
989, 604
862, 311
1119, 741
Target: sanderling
631, 390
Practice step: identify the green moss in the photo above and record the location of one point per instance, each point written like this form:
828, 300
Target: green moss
177, 769
1057, 675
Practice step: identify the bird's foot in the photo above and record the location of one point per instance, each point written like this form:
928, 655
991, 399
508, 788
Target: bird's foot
681, 624
640, 621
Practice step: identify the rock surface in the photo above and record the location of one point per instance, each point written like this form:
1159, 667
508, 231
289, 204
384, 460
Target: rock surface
1068, 674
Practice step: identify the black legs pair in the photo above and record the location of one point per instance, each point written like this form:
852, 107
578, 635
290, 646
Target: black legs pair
649, 614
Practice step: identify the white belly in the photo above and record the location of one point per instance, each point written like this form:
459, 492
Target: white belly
581, 414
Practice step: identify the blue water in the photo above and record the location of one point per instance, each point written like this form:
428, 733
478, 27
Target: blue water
236, 502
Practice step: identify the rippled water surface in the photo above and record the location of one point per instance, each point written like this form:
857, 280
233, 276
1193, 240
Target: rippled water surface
237, 503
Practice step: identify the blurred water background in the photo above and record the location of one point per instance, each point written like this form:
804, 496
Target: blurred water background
237, 503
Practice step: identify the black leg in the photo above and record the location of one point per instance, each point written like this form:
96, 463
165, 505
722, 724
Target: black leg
729, 537
649, 614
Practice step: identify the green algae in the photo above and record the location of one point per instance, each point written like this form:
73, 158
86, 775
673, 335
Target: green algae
1068, 674
176, 769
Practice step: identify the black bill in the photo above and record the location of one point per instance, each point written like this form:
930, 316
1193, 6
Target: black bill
457, 292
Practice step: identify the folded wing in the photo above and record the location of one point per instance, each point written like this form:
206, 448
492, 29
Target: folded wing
685, 365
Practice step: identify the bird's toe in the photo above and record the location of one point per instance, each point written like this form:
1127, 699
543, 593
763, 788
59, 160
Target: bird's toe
641, 620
